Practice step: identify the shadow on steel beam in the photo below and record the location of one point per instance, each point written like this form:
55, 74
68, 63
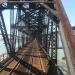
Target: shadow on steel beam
16, 71
30, 67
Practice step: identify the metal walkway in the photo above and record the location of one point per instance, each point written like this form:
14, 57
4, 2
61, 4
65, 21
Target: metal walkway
31, 60
34, 27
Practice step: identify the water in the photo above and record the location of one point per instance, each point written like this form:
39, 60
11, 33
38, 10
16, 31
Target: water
2, 47
62, 61
3, 51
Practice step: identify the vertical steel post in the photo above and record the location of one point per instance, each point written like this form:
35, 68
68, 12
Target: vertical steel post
12, 31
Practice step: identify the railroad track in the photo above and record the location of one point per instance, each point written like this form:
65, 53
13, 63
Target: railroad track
29, 61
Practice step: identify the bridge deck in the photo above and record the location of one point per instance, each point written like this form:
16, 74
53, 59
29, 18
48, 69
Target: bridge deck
29, 60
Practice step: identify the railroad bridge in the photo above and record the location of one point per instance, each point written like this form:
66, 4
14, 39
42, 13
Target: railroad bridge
34, 28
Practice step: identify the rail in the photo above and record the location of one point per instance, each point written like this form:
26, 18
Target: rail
15, 66
9, 62
4, 66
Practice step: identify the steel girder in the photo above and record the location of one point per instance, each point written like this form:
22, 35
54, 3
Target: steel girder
54, 42
4, 33
33, 20
12, 32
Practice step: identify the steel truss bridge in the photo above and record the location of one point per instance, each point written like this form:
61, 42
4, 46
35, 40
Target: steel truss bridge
36, 29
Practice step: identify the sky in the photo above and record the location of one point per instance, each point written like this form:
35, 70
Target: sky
69, 6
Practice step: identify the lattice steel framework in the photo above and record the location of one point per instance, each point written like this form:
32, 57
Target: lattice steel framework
30, 23
33, 20
53, 42
4, 33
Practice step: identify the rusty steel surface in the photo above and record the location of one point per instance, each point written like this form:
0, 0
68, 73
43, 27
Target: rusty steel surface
66, 27
28, 1
33, 56
1, 1
50, 9
69, 35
